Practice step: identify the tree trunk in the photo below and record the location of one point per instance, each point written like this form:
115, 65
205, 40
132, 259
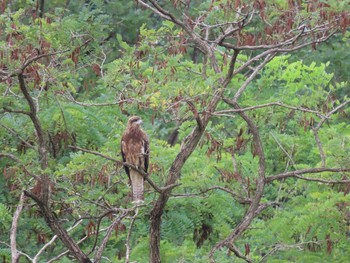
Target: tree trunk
156, 220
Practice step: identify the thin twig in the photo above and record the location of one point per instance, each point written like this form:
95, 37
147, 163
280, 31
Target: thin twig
284, 150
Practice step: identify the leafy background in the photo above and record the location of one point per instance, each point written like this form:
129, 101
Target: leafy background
120, 60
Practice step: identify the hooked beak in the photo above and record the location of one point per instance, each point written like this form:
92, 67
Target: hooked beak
139, 122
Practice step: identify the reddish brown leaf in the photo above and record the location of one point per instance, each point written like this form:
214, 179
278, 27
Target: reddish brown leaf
247, 249
97, 69
329, 244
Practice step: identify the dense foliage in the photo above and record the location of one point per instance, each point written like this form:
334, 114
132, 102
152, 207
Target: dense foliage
71, 75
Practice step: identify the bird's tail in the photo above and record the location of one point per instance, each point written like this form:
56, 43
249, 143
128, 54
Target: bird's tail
136, 186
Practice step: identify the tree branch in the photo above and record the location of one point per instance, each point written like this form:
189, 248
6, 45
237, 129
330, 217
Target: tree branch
317, 128
128, 249
297, 174
235, 195
71, 98
283, 150
238, 254
280, 104
27, 62
267, 59
5, 109
330, 113
13, 232
110, 229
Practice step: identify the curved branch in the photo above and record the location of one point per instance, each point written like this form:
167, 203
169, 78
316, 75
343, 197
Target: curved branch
254, 206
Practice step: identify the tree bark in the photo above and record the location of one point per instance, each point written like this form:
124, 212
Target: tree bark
41, 8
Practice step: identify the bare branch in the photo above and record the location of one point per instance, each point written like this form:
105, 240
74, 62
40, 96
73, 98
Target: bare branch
318, 126
234, 27
267, 59
254, 59
71, 98
330, 113
66, 252
98, 228
235, 195
110, 229
280, 104
297, 174
56, 227
5, 109
202, 44
236, 251
320, 146
13, 232
127, 244
279, 144
279, 246
154, 10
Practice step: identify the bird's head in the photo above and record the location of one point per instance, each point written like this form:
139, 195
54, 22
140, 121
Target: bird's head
134, 121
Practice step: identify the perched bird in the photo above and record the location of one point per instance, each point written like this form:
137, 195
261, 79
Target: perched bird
135, 151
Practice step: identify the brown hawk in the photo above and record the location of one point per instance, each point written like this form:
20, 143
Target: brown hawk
135, 151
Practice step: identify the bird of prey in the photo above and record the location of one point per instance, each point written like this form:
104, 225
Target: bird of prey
135, 151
